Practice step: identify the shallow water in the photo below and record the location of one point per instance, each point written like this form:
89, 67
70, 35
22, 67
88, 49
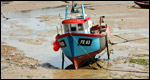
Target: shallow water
30, 20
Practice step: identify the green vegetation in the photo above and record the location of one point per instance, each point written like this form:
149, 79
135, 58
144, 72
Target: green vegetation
44, 77
143, 77
115, 78
125, 61
29, 77
144, 62
141, 55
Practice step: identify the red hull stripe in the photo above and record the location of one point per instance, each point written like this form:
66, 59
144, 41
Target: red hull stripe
79, 34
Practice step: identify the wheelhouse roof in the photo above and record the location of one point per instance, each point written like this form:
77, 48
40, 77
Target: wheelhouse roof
75, 20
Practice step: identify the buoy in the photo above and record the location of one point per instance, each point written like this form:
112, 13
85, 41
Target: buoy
56, 45
54, 42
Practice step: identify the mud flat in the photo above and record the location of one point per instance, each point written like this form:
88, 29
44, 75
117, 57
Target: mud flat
17, 65
27, 38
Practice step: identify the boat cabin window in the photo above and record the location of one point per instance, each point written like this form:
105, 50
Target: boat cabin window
66, 28
73, 27
80, 27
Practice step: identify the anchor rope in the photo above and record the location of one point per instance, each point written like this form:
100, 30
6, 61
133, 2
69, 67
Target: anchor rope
85, 51
81, 46
103, 67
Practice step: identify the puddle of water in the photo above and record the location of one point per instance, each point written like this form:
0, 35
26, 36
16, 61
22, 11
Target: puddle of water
31, 23
36, 13
2, 58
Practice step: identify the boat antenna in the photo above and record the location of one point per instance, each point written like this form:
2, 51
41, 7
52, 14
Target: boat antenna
73, 10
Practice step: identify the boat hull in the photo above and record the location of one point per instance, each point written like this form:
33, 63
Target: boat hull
80, 60
142, 4
80, 47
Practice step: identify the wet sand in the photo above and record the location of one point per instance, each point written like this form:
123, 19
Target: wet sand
28, 35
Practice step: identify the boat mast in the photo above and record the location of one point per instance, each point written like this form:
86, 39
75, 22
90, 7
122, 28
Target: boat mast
66, 12
83, 13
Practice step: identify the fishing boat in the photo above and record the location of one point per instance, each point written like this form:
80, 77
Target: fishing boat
142, 4
81, 40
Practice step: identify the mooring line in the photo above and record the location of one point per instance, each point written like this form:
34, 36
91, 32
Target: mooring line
121, 37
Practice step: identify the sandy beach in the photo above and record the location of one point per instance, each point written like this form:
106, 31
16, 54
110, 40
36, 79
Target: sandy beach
28, 29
